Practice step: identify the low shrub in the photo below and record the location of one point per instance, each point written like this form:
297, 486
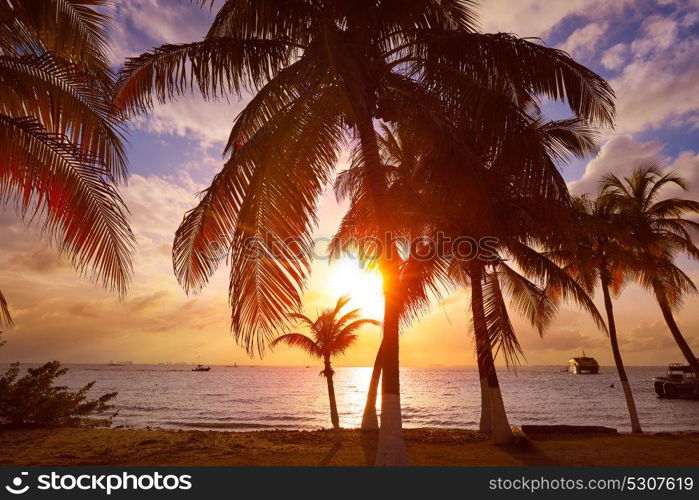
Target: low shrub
34, 399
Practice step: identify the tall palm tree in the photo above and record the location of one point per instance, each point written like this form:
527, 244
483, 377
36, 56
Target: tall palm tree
407, 156
61, 138
659, 232
599, 258
517, 201
418, 278
331, 336
323, 73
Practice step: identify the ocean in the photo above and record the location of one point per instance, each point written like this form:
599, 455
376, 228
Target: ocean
248, 398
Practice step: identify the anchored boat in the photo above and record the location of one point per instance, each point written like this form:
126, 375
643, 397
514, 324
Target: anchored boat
680, 381
583, 365
201, 368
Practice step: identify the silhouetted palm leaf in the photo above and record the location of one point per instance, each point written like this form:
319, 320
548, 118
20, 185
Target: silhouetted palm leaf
299, 341
497, 318
5, 317
73, 30
213, 66
82, 210
66, 101
61, 139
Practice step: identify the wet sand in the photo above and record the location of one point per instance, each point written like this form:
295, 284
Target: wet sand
426, 447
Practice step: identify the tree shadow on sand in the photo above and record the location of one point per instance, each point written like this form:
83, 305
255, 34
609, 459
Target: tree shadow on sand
330, 454
370, 442
528, 454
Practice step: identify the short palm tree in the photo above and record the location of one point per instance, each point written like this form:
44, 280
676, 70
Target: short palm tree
61, 139
659, 232
599, 258
332, 334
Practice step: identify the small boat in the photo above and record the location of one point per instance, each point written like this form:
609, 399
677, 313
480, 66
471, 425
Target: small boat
120, 363
201, 368
680, 381
583, 365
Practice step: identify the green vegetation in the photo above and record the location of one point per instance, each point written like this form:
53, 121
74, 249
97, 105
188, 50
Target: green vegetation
34, 399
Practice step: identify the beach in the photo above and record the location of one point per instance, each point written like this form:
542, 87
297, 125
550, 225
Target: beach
425, 446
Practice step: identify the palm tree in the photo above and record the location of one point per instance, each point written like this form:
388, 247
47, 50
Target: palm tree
370, 420
417, 277
331, 336
599, 257
61, 138
516, 204
659, 232
407, 156
323, 72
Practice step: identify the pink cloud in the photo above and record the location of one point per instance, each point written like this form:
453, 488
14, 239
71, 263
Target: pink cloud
583, 42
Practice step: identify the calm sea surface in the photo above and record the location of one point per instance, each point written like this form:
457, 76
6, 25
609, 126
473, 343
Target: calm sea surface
228, 398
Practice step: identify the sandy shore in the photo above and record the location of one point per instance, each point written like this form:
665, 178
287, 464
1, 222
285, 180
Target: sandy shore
425, 447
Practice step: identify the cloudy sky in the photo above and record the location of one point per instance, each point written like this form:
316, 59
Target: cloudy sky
647, 49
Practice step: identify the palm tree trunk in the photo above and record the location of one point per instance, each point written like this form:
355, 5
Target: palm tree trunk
391, 447
501, 430
485, 424
630, 403
334, 417
675, 330
370, 421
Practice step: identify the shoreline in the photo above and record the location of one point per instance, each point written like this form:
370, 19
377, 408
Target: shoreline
426, 447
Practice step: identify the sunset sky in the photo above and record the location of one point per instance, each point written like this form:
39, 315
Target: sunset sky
647, 49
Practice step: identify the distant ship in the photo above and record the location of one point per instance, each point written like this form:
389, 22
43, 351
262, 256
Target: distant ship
201, 368
120, 363
680, 381
583, 365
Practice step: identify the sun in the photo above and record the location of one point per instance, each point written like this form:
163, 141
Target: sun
347, 277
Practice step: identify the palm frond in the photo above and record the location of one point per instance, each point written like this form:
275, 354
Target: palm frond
559, 285
342, 342
523, 65
497, 318
279, 207
569, 139
341, 302
300, 341
5, 317
68, 102
74, 30
356, 325
74, 195
526, 297
301, 318
260, 19
348, 317
215, 67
